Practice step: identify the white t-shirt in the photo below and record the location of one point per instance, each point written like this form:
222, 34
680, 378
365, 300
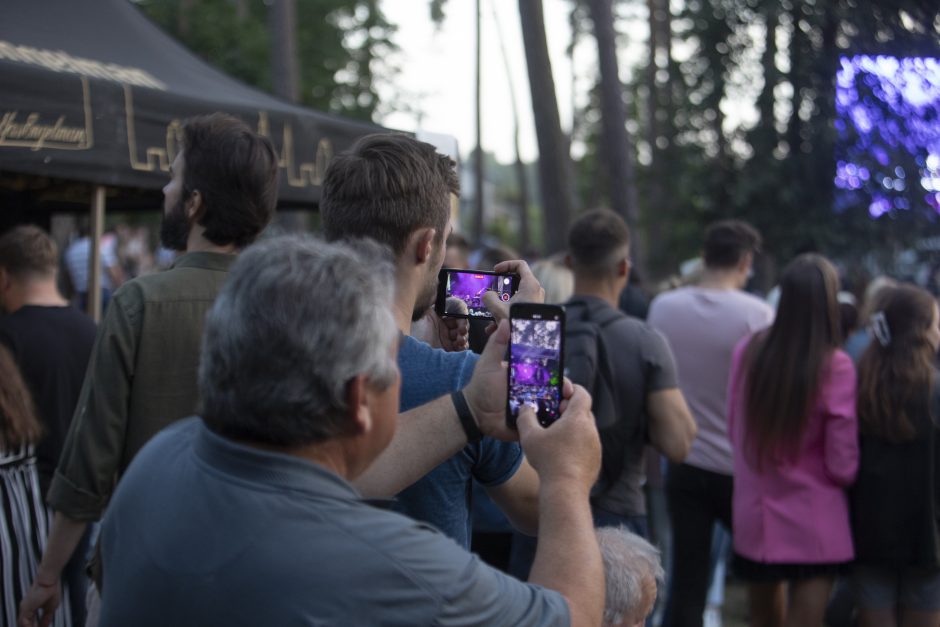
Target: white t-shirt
703, 325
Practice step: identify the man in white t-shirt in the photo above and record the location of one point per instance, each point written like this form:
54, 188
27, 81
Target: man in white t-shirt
703, 323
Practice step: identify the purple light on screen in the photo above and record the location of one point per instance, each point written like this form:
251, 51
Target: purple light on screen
469, 284
888, 124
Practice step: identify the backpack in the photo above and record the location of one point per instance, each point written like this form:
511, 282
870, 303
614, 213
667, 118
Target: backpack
587, 363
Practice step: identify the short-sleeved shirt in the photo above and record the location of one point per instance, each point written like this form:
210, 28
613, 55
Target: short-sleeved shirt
642, 364
205, 531
443, 496
76, 262
703, 325
51, 346
142, 376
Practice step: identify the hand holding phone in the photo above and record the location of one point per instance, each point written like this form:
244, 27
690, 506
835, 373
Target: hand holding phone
469, 287
536, 361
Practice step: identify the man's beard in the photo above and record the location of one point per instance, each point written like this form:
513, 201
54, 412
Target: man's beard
174, 228
425, 300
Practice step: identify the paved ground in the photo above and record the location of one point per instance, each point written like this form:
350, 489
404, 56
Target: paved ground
734, 613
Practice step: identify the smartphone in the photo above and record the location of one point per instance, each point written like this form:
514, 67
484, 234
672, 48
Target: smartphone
468, 287
536, 361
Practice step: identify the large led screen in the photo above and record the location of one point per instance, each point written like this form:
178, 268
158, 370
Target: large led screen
888, 126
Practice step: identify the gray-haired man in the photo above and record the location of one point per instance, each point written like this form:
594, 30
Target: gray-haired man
246, 516
633, 572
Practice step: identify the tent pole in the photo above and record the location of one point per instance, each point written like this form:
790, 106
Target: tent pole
94, 259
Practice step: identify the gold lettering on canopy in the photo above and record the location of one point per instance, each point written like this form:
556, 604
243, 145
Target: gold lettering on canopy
30, 131
61, 61
154, 158
305, 174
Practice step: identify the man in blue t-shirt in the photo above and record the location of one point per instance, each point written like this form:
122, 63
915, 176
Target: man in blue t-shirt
397, 190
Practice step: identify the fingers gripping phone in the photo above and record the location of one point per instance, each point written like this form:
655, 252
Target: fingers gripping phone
536, 361
466, 288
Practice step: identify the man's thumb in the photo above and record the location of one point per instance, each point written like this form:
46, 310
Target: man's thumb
526, 422
495, 347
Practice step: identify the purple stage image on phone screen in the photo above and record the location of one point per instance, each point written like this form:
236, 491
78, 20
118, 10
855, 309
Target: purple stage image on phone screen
534, 368
470, 288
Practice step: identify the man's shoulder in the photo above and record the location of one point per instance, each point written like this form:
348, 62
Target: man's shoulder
48, 323
413, 353
176, 283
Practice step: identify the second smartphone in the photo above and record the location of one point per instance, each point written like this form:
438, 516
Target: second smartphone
536, 361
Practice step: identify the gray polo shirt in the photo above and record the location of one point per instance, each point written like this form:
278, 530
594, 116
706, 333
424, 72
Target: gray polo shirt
204, 531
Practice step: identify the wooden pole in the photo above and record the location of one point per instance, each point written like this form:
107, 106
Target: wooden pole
94, 258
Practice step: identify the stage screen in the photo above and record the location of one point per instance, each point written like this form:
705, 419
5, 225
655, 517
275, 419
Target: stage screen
888, 127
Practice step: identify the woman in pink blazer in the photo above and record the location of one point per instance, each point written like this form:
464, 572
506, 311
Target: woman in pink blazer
791, 419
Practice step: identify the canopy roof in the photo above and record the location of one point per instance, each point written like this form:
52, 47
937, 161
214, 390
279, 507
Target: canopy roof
92, 91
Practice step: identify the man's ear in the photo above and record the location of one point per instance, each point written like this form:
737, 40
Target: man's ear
423, 244
747, 261
623, 268
194, 206
568, 262
357, 406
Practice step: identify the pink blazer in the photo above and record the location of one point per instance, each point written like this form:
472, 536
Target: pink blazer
798, 511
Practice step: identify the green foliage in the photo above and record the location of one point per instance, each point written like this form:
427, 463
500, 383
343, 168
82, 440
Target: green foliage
343, 46
777, 173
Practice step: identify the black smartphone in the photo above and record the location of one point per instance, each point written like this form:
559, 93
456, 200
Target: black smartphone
536, 361
468, 287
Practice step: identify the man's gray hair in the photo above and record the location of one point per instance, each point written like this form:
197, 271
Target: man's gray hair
629, 560
296, 321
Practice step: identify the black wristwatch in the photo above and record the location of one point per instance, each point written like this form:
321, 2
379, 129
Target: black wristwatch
469, 425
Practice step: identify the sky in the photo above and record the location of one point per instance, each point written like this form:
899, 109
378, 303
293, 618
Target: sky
437, 72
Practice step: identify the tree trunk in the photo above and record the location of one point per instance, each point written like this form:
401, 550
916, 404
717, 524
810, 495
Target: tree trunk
478, 153
525, 242
553, 171
284, 69
616, 146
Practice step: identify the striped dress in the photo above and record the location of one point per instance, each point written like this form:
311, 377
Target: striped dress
24, 525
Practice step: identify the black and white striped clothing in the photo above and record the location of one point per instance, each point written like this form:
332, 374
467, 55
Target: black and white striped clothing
24, 525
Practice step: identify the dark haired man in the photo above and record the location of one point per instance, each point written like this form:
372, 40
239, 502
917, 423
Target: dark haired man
51, 343
142, 376
246, 516
397, 190
703, 323
648, 404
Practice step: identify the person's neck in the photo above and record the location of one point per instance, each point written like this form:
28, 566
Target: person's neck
406, 293
42, 293
331, 454
607, 290
720, 279
197, 243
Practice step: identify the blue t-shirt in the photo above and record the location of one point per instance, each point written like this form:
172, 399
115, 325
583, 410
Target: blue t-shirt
442, 497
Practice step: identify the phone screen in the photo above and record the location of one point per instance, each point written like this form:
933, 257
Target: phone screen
469, 286
535, 361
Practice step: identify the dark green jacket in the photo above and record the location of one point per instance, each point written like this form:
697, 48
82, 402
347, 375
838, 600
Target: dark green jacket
141, 377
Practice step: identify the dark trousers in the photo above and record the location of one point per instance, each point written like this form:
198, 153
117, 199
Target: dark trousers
696, 499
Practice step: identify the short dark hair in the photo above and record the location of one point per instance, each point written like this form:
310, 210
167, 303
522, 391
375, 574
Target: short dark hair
28, 250
235, 171
386, 187
727, 242
597, 240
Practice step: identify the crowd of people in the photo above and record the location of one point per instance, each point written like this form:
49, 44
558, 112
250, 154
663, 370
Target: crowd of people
283, 431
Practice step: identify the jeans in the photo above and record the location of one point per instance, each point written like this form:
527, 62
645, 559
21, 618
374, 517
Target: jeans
696, 498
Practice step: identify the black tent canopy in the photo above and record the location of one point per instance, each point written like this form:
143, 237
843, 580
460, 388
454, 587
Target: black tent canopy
92, 91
